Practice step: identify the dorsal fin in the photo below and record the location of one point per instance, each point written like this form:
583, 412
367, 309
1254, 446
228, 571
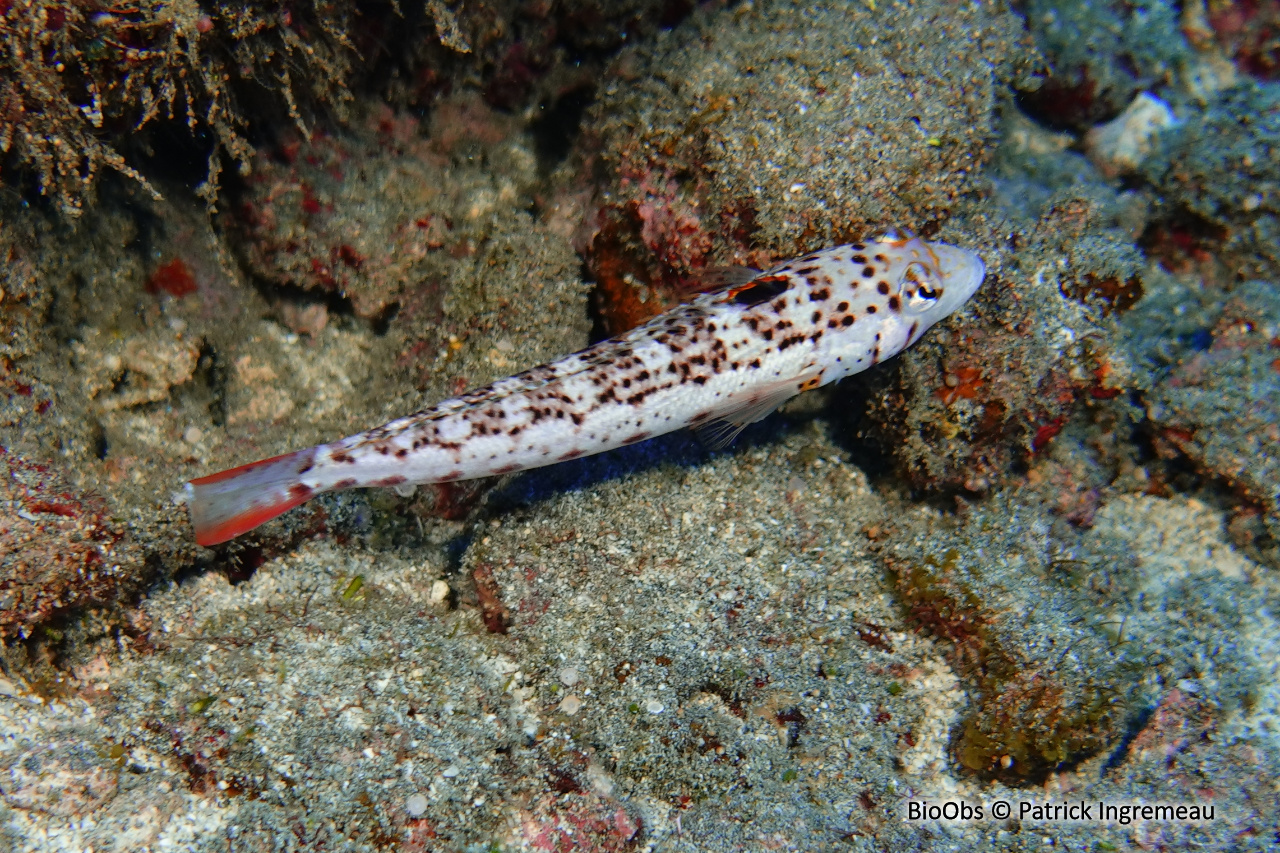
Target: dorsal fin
715, 279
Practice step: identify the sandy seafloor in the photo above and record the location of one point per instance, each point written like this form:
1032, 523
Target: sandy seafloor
778, 646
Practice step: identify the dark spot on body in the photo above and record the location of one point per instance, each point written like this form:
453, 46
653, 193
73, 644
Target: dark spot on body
346, 483
882, 288
895, 304
847, 321
914, 326
794, 339
820, 295
507, 469
301, 491
859, 259
868, 272
632, 439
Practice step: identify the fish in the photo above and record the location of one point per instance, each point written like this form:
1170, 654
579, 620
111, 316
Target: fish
724, 359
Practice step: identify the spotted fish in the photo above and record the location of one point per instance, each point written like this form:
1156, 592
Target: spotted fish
723, 360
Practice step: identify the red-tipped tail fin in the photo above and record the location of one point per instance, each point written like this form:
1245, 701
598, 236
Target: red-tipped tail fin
231, 502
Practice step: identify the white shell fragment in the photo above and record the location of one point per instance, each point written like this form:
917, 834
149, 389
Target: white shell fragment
1120, 145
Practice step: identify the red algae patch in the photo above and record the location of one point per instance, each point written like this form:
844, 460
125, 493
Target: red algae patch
58, 547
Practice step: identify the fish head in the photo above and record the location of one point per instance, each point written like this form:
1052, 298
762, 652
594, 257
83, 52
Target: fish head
902, 288
931, 280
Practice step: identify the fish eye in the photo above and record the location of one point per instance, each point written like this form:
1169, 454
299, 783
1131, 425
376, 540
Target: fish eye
921, 286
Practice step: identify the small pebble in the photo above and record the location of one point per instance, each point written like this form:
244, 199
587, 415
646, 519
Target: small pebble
416, 805
439, 591
568, 676
405, 490
192, 435
653, 706
570, 704
450, 771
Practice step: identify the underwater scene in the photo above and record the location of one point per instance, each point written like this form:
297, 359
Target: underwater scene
639, 425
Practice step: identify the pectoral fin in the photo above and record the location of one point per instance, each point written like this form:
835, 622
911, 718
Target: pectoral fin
721, 432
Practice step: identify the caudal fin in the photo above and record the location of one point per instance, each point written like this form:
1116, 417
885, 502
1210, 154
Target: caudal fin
235, 501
